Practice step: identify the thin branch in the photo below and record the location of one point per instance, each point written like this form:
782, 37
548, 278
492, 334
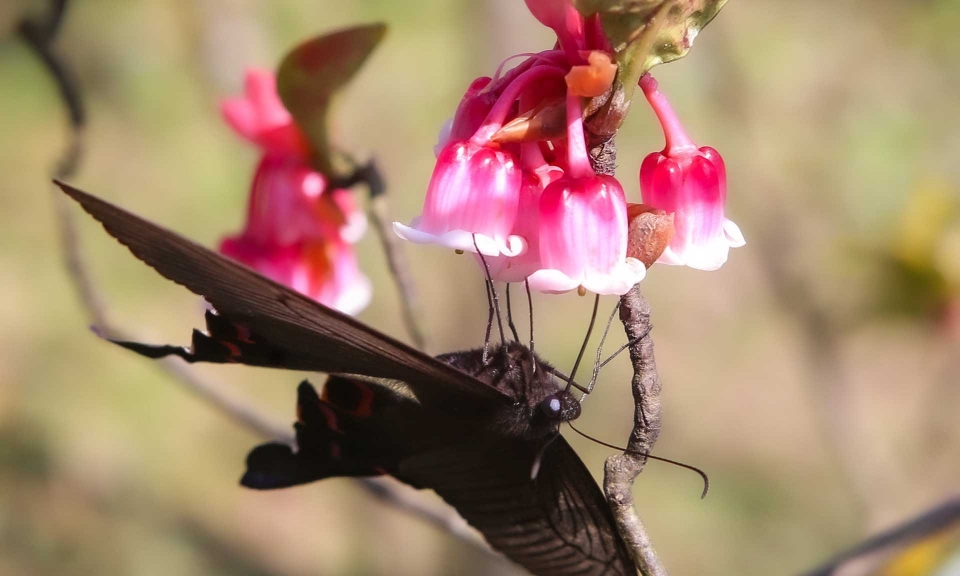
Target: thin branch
621, 470
396, 259
39, 36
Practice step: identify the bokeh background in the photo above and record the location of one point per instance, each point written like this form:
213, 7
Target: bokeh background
815, 376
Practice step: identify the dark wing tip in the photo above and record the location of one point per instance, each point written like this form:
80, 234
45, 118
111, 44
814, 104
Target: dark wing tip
307, 393
78, 195
270, 466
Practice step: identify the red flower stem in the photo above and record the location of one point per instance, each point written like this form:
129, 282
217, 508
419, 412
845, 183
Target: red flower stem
578, 162
677, 140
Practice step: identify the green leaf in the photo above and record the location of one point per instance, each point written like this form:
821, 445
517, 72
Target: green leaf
312, 73
645, 33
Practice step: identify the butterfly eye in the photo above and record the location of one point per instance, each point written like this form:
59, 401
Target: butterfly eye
551, 406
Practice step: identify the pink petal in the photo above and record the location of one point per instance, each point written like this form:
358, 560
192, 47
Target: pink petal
474, 189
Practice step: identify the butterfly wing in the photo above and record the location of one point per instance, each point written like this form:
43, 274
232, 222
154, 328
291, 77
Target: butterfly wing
298, 332
557, 525
337, 436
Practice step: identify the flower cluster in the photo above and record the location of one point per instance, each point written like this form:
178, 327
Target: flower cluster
299, 231
514, 183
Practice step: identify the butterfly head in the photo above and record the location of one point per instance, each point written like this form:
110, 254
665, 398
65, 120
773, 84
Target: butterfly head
543, 399
560, 406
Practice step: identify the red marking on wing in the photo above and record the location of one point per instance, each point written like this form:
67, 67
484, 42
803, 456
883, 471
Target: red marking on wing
234, 350
243, 334
330, 416
365, 406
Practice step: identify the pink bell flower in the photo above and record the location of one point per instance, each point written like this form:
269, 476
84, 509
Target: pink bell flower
474, 192
298, 233
691, 182
527, 226
290, 202
583, 238
473, 196
260, 117
583, 226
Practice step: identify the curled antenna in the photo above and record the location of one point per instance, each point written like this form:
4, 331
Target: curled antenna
535, 469
703, 475
586, 340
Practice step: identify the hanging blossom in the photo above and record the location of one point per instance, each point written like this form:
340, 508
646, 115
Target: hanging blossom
691, 183
298, 231
532, 208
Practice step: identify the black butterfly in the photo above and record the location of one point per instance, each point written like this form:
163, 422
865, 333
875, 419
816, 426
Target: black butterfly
468, 429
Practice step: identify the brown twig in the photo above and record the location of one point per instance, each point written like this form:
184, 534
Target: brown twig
39, 36
621, 470
396, 260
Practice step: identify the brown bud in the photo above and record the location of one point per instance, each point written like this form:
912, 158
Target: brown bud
648, 233
545, 122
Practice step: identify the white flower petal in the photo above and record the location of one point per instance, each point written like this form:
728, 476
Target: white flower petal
619, 281
462, 240
552, 281
733, 234
670, 258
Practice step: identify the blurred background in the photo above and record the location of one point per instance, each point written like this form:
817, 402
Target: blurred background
815, 377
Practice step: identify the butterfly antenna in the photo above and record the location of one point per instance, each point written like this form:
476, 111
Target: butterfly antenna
533, 363
535, 469
596, 363
513, 327
586, 340
632, 341
493, 289
703, 475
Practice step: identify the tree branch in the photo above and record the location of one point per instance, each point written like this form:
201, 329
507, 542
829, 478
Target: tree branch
396, 260
39, 35
621, 470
